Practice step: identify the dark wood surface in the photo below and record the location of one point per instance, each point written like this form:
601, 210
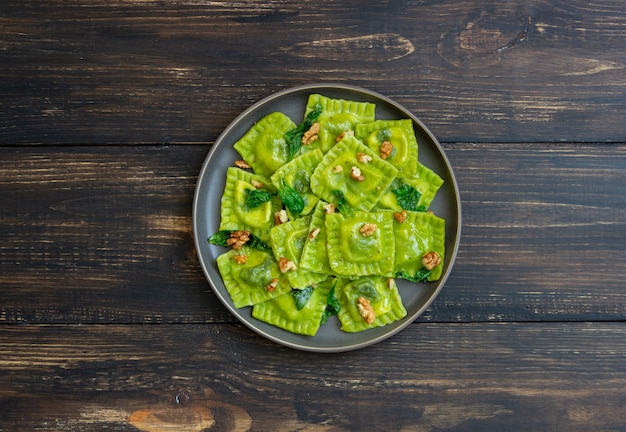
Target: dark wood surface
107, 111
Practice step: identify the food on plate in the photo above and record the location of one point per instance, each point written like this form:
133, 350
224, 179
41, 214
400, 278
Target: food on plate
321, 217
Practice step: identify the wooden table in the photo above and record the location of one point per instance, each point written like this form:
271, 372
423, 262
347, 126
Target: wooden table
107, 111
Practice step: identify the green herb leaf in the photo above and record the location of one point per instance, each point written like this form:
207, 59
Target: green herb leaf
333, 306
407, 197
342, 206
220, 238
420, 276
302, 296
256, 197
294, 136
293, 201
384, 135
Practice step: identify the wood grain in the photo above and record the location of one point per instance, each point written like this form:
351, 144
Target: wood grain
129, 71
537, 376
103, 235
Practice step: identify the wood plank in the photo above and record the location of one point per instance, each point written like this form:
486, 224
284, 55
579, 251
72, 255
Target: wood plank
537, 376
178, 71
103, 235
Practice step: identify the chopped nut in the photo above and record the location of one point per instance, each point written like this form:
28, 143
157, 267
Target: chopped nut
241, 259
337, 169
314, 233
391, 283
366, 310
285, 265
257, 184
431, 259
368, 229
281, 217
238, 239
385, 149
272, 286
311, 135
344, 134
400, 216
355, 173
242, 164
364, 158
330, 208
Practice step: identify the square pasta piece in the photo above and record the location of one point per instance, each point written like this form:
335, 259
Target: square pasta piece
394, 141
368, 302
413, 194
419, 234
236, 214
315, 253
351, 169
361, 243
299, 311
337, 117
287, 243
251, 276
263, 146
297, 174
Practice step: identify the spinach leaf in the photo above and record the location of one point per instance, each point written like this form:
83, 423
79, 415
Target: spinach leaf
256, 197
302, 296
420, 276
293, 201
333, 306
220, 239
342, 206
408, 197
294, 136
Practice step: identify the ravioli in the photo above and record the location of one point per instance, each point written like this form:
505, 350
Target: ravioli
338, 116
235, 212
381, 295
426, 182
283, 312
254, 281
263, 146
400, 134
361, 243
297, 174
355, 171
419, 234
287, 242
315, 254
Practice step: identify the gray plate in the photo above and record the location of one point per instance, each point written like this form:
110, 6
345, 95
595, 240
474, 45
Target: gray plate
206, 215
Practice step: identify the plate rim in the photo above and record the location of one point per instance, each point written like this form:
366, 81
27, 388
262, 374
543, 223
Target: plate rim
310, 87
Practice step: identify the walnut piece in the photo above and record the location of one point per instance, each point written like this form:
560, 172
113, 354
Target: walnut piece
344, 134
272, 286
391, 283
366, 310
330, 208
314, 232
241, 259
363, 158
311, 135
355, 173
400, 216
281, 217
285, 265
238, 239
257, 184
242, 164
337, 169
368, 229
431, 259
385, 150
